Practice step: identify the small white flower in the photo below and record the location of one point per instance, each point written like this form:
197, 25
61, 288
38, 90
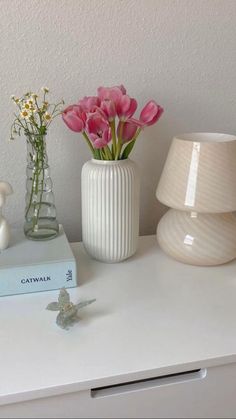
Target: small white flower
45, 89
45, 106
27, 94
47, 116
29, 106
31, 102
15, 99
26, 106
25, 114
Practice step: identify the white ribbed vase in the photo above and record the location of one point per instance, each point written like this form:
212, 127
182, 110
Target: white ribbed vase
110, 209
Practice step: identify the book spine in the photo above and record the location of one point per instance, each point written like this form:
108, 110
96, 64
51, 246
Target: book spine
22, 280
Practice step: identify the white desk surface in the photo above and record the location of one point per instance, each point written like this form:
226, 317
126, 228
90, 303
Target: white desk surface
153, 316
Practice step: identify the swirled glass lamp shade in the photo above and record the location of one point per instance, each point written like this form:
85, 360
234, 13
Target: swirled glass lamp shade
198, 183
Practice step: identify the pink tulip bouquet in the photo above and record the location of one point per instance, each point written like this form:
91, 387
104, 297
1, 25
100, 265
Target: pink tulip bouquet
107, 121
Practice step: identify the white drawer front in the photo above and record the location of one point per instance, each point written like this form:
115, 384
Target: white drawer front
205, 393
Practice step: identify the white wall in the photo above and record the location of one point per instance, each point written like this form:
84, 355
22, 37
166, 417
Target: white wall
182, 53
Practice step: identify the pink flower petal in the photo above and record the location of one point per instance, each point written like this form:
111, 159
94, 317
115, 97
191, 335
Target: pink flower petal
128, 131
126, 107
151, 113
89, 103
111, 93
74, 118
136, 122
108, 107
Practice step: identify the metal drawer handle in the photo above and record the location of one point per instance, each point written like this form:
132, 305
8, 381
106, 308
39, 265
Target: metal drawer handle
149, 383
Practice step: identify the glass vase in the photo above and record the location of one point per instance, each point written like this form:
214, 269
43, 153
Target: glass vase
40, 211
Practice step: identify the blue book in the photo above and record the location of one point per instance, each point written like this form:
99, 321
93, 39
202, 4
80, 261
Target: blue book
33, 266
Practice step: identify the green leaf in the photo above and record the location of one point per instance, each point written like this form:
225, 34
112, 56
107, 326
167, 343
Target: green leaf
97, 155
128, 150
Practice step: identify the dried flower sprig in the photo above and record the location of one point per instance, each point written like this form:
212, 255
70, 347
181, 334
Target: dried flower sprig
34, 113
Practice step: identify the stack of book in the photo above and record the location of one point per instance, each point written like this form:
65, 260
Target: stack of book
33, 266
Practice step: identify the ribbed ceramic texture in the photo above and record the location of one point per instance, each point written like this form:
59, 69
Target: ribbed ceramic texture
198, 239
110, 209
200, 173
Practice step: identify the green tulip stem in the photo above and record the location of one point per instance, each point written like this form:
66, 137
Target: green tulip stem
119, 145
130, 145
136, 134
113, 133
88, 142
108, 153
102, 154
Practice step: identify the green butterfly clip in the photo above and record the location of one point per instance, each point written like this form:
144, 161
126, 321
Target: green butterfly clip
68, 312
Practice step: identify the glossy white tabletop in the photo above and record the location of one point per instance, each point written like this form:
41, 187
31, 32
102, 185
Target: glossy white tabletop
153, 316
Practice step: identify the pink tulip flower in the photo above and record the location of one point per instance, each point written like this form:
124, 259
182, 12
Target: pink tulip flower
99, 130
89, 103
100, 142
111, 93
128, 131
74, 118
151, 113
109, 109
126, 107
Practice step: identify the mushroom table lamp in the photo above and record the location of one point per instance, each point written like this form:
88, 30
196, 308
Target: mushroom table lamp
198, 183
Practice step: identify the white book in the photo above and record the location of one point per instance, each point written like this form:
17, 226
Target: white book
33, 266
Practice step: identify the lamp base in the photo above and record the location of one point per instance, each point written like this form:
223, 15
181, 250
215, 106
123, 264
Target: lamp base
197, 238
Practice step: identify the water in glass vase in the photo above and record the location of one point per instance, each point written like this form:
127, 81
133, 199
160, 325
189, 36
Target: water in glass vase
40, 212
